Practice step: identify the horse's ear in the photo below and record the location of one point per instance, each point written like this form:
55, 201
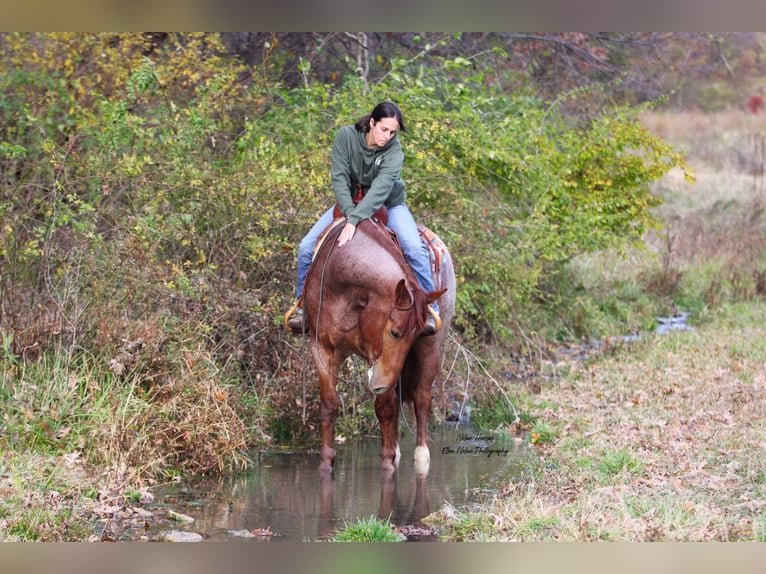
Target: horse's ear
434, 295
404, 298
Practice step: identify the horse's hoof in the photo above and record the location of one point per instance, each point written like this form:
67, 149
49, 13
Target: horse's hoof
390, 463
422, 459
326, 460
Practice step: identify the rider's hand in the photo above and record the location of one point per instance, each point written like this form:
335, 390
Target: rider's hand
346, 234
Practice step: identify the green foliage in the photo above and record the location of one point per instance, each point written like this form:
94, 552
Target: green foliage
172, 154
534, 191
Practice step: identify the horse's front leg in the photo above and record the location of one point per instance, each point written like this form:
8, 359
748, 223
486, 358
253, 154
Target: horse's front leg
328, 410
422, 404
388, 416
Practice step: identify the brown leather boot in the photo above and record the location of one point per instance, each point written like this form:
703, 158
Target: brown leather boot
295, 321
430, 327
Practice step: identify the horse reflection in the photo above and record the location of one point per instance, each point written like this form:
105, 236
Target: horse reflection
408, 509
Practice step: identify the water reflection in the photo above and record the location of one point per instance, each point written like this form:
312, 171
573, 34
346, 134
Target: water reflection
287, 494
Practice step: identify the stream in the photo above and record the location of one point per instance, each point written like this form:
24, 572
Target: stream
284, 497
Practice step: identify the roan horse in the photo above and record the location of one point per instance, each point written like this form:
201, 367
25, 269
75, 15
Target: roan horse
364, 299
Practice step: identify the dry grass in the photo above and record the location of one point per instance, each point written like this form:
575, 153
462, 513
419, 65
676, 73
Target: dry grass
663, 441
715, 229
186, 420
723, 141
76, 441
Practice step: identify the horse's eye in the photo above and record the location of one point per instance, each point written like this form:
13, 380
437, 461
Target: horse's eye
396, 334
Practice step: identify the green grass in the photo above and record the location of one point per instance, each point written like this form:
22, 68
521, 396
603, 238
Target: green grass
543, 433
619, 462
370, 529
494, 412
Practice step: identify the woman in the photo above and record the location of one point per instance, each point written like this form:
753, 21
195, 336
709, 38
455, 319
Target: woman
368, 155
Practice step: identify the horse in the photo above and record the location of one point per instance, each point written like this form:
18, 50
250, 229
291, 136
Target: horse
364, 299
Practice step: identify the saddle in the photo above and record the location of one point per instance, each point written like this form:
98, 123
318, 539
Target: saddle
381, 214
435, 246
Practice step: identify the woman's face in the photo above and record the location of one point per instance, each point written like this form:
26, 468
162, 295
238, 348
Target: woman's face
382, 131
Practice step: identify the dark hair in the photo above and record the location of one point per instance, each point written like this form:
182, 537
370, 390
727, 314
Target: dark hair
382, 110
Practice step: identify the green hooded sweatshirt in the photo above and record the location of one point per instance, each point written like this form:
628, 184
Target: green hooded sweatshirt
377, 169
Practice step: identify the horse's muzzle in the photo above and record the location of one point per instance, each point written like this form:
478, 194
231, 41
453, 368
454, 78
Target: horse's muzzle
376, 381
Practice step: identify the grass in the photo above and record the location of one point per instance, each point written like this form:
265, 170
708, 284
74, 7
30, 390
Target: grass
619, 462
77, 439
370, 529
44, 498
542, 433
675, 434
662, 439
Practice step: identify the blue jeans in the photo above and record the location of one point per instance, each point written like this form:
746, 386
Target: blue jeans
401, 221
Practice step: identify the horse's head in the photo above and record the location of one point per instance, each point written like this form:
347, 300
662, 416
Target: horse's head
405, 322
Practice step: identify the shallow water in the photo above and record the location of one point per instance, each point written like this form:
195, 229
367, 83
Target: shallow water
286, 494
